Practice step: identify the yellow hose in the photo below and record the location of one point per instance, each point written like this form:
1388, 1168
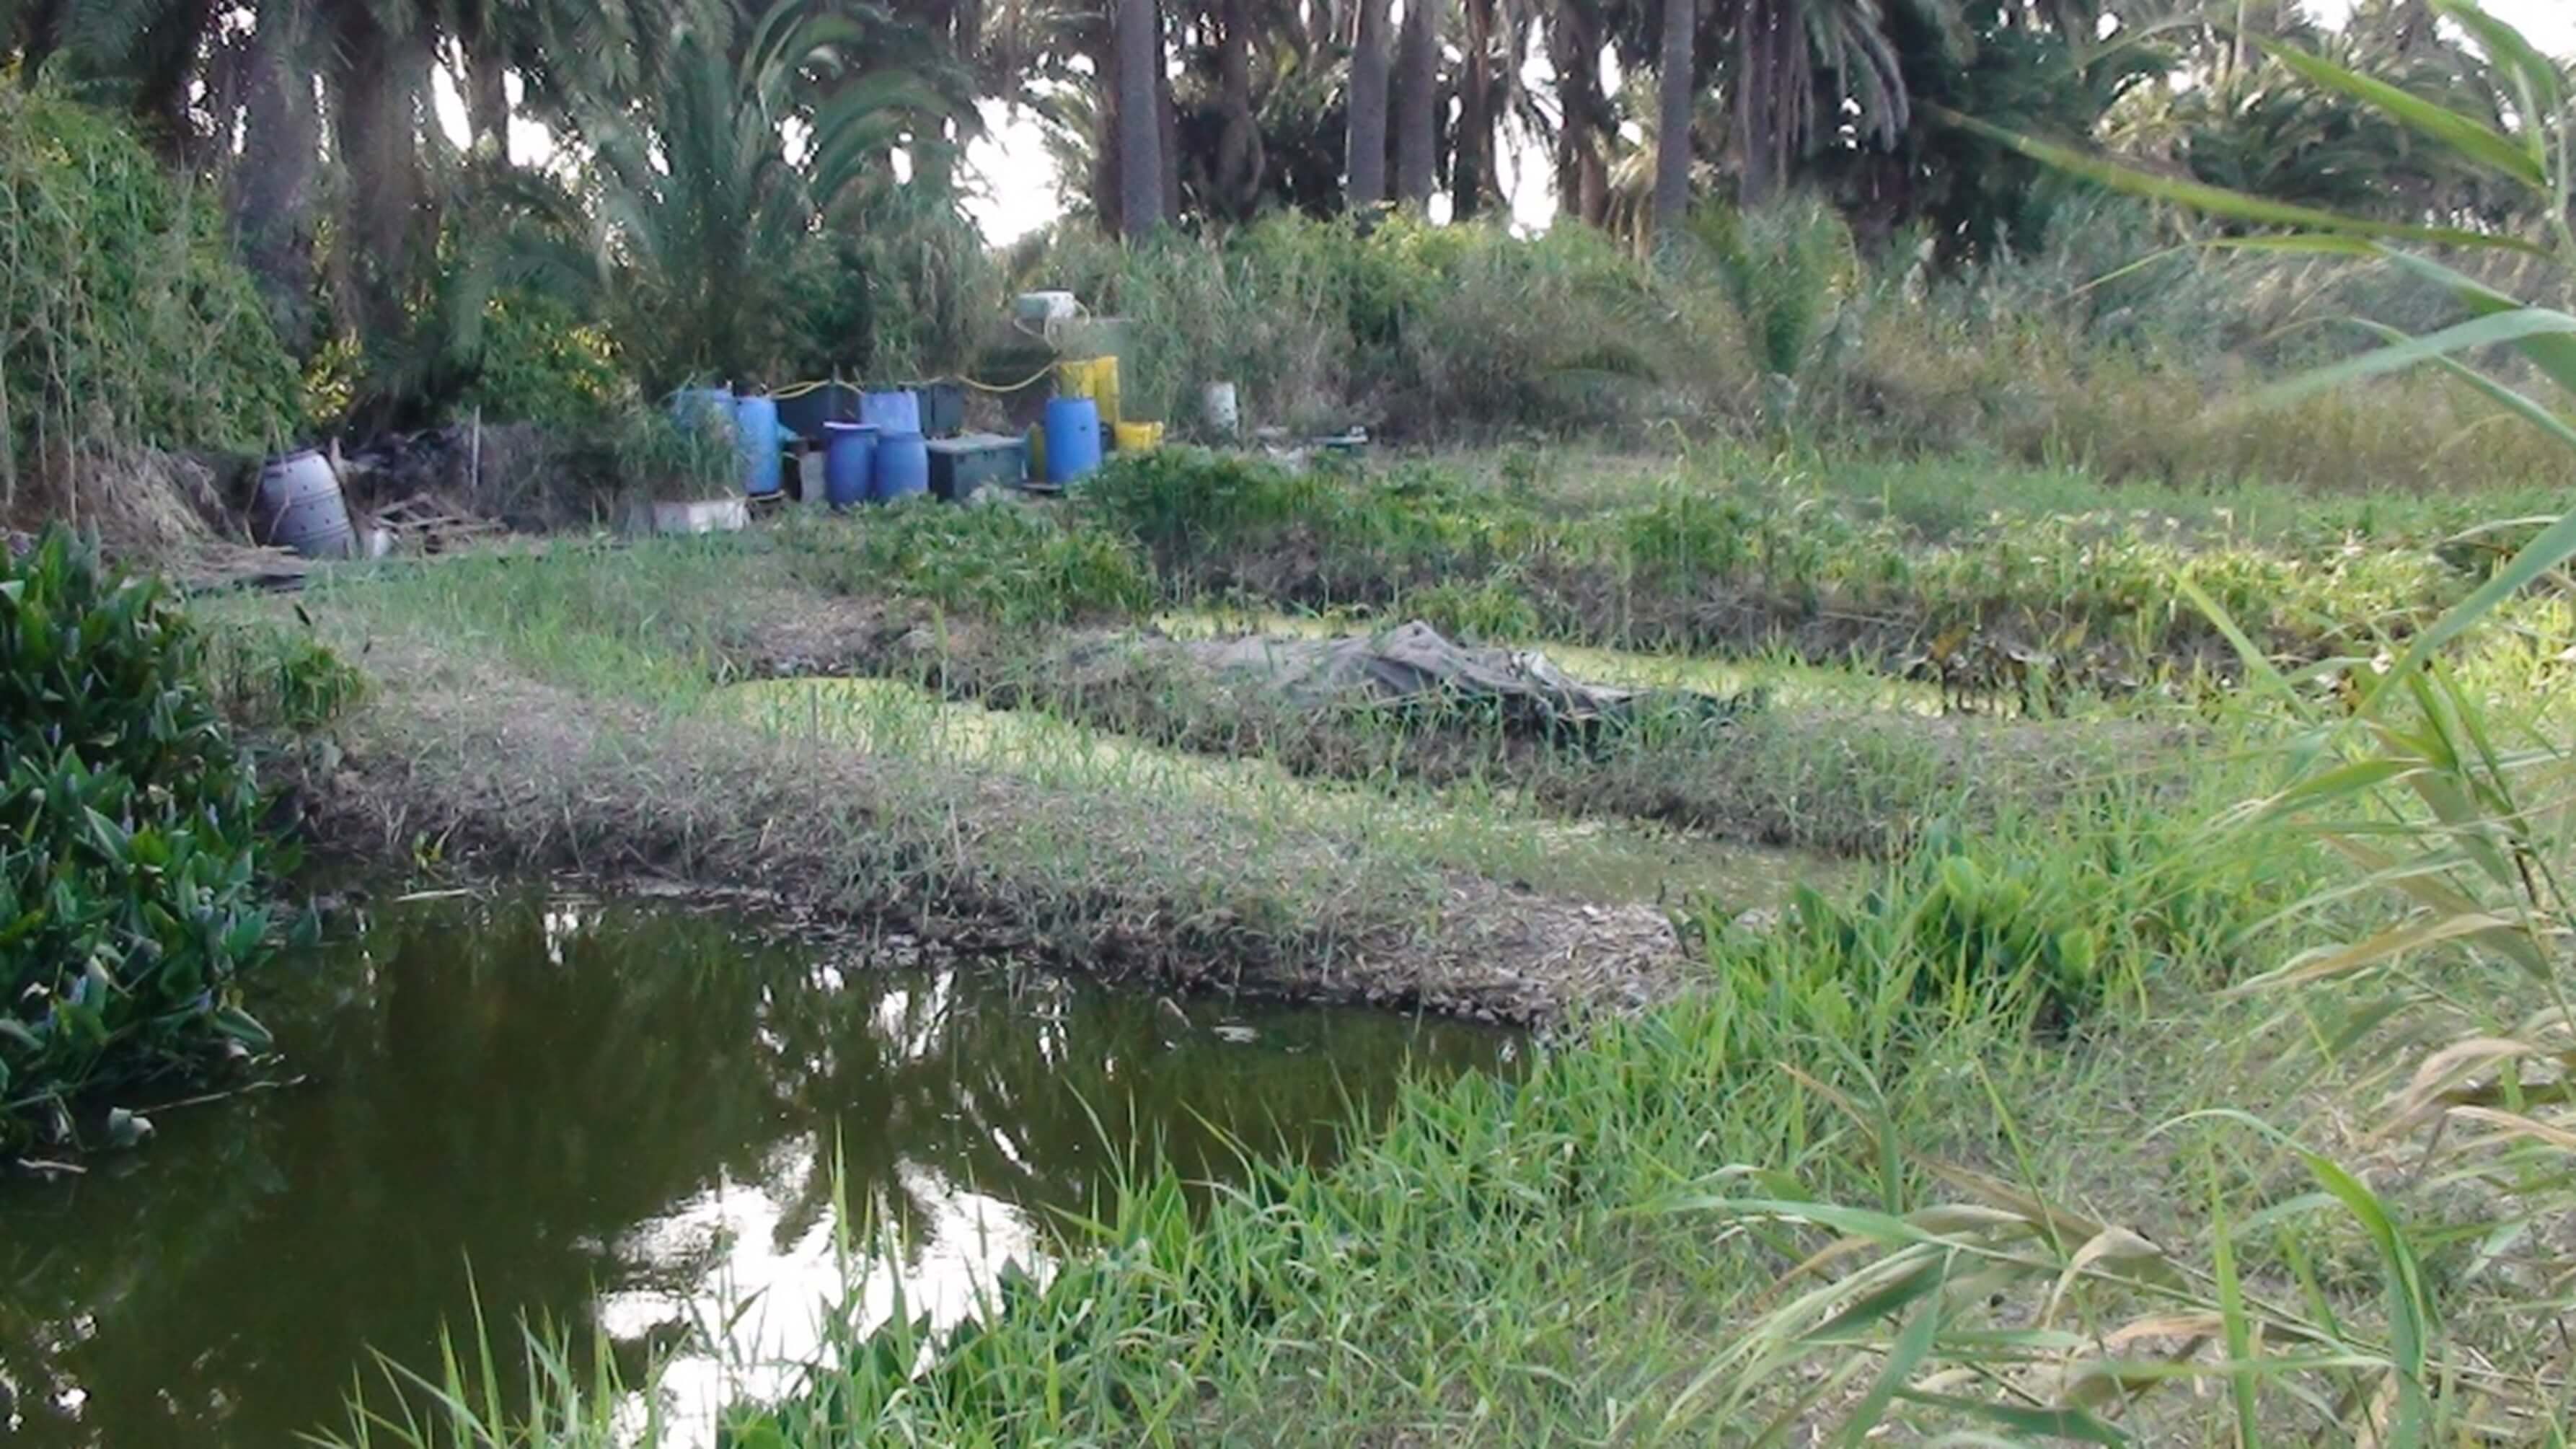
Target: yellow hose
799, 389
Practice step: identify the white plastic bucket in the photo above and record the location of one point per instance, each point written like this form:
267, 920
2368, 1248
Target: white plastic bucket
1224, 413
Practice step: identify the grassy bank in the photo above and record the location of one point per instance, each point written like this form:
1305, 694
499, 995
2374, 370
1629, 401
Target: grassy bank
575, 711
2008, 1071
2017, 1058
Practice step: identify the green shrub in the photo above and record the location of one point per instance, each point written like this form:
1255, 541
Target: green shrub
2039, 927
1190, 499
130, 856
122, 313
1785, 268
541, 363
997, 562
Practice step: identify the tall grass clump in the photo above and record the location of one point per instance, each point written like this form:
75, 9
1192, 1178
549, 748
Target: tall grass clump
2436, 795
2119, 345
131, 858
123, 316
1004, 564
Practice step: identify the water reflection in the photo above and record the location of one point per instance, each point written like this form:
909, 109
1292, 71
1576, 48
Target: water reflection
625, 1121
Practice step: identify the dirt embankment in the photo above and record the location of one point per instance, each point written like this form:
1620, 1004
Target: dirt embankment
467, 764
1847, 783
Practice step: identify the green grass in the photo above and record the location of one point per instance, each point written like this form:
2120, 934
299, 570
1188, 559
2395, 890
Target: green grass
1710, 559
1538, 1261
2019, 1033
1603, 1250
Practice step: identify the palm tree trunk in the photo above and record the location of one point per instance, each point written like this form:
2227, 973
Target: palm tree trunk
1238, 149
1322, 31
375, 122
273, 189
171, 51
1167, 131
1761, 132
1417, 104
1471, 171
1139, 124
487, 92
1364, 143
1574, 48
1106, 135
39, 34
1673, 89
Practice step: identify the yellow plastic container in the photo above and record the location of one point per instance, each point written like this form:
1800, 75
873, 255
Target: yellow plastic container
1095, 378
1139, 437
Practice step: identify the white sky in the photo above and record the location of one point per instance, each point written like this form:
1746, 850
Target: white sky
2551, 24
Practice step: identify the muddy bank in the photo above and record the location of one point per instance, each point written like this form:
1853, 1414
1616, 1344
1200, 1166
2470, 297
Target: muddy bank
1847, 783
469, 764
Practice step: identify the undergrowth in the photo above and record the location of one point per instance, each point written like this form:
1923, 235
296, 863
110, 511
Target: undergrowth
133, 865
1711, 560
123, 314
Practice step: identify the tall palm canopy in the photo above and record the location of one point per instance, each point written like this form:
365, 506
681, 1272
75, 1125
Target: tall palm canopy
710, 149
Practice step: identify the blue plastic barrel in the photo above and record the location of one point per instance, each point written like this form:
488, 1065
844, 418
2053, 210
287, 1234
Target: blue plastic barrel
755, 421
849, 463
1072, 438
903, 466
893, 412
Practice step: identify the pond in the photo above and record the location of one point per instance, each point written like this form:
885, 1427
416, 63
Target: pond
631, 1119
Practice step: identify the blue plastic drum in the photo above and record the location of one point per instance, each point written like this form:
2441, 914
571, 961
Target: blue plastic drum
1072, 439
903, 466
756, 431
849, 463
891, 412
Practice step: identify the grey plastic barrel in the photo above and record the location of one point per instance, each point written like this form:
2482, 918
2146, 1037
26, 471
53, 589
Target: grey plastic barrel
299, 507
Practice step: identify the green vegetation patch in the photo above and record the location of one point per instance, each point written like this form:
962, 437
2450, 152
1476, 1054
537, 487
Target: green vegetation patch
131, 858
123, 316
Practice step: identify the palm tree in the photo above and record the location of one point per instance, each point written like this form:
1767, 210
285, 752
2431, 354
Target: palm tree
1471, 175
1675, 84
695, 214
1364, 155
379, 87
1139, 118
1783, 48
1416, 103
281, 153
1235, 177
1586, 121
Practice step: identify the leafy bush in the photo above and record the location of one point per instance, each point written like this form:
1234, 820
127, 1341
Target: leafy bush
129, 849
900, 286
540, 363
122, 312
1189, 498
1785, 268
1002, 563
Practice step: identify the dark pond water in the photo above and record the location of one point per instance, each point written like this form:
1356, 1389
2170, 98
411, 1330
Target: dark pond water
622, 1118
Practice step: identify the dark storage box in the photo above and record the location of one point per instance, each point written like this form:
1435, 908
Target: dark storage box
960, 466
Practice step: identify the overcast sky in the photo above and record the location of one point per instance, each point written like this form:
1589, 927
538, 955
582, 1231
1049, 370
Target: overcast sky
2551, 24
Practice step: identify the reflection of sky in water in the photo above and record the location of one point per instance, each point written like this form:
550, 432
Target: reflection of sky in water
756, 1291
742, 1287
624, 1121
